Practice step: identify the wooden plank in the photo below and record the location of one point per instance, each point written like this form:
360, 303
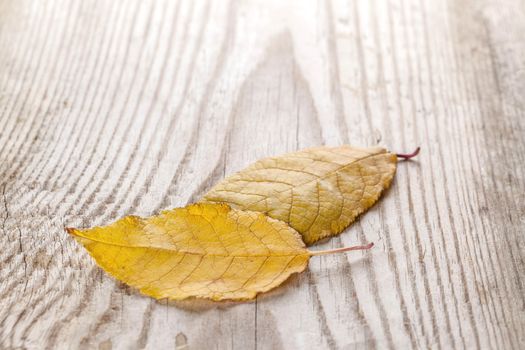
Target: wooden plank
113, 108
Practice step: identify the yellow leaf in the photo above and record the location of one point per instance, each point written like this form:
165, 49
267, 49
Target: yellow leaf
318, 191
202, 250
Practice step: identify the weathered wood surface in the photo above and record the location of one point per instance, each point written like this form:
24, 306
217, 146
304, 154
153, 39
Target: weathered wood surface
109, 108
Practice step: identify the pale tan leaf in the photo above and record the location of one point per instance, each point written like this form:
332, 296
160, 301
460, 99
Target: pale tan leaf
318, 191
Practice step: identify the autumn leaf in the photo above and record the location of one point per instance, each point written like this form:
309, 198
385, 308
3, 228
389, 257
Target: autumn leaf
203, 250
318, 191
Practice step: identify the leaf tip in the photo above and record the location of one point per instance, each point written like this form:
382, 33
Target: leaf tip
70, 230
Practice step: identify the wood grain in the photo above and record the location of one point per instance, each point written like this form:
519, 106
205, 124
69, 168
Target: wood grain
110, 108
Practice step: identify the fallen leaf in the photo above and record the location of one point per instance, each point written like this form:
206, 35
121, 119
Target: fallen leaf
203, 250
318, 191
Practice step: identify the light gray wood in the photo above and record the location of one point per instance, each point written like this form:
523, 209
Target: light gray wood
110, 108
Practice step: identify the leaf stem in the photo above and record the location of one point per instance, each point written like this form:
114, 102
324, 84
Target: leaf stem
341, 250
406, 156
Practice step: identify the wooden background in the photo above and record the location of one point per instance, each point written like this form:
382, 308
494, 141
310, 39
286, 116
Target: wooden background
110, 108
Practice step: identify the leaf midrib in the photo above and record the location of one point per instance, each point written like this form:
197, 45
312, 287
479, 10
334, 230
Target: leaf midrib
192, 253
